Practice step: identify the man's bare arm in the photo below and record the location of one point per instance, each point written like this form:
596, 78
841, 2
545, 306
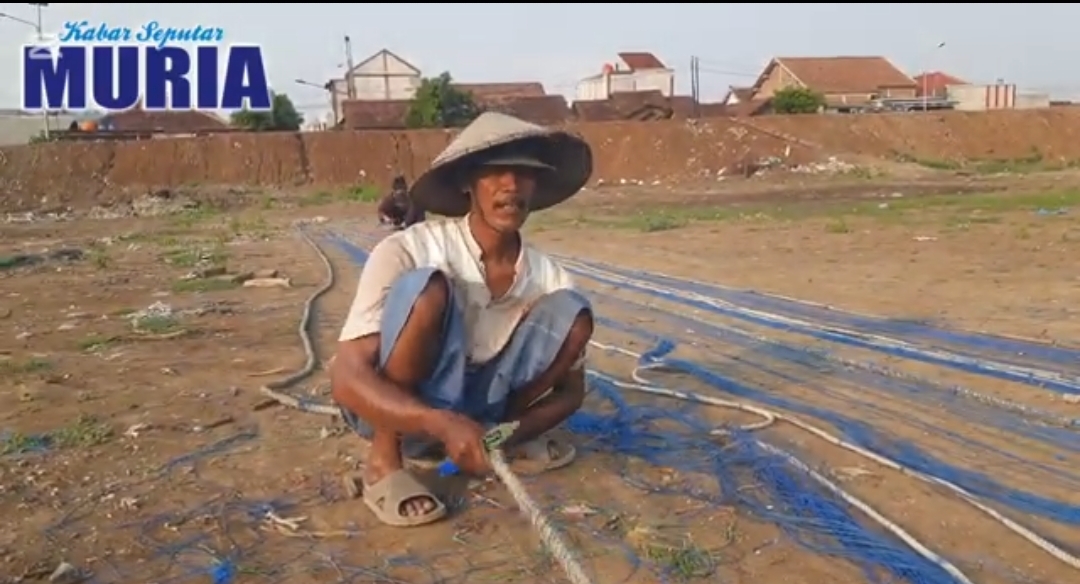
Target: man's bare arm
357, 384
355, 379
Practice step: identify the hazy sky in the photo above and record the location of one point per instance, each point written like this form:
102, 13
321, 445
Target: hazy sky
1033, 45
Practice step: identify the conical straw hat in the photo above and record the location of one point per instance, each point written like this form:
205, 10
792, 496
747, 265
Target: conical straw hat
567, 157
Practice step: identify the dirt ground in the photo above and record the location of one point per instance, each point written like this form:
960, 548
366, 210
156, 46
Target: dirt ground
138, 448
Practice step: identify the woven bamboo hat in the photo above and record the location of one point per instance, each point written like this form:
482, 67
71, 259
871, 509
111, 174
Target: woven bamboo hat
495, 139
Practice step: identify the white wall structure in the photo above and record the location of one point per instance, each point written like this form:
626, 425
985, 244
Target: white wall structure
633, 72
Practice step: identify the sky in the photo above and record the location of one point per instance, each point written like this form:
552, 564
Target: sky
1031, 45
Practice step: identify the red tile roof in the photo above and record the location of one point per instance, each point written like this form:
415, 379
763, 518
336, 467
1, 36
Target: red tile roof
842, 74
634, 105
374, 115
637, 61
170, 122
546, 110
935, 82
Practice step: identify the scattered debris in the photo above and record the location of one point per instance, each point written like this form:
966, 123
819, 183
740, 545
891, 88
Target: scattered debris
268, 283
831, 166
66, 573
578, 511
133, 432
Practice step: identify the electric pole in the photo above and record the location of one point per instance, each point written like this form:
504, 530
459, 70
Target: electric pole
350, 89
695, 86
41, 37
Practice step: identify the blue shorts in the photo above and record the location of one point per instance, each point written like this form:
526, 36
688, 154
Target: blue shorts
483, 391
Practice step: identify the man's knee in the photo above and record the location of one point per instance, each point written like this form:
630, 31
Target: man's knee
581, 331
563, 304
422, 295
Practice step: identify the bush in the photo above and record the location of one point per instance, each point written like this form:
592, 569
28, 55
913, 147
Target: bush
438, 104
797, 100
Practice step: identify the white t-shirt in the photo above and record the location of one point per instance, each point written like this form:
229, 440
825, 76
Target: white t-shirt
449, 246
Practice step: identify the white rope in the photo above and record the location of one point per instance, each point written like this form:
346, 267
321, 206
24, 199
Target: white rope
549, 535
1029, 375
643, 386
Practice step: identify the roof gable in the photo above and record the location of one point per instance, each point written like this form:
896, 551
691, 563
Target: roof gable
372, 64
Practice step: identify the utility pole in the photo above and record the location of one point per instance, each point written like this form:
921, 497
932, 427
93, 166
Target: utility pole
695, 86
350, 88
40, 37
926, 81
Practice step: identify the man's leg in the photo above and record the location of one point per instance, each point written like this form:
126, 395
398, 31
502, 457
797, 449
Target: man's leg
536, 363
422, 350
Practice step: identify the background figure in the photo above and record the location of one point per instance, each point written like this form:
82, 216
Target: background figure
398, 208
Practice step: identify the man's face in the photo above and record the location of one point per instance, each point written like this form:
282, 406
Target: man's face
503, 196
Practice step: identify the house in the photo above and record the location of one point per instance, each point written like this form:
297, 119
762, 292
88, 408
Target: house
527, 101
383, 76
386, 77
935, 84
846, 82
632, 72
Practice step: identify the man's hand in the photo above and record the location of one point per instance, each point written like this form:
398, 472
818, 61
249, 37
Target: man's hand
464, 442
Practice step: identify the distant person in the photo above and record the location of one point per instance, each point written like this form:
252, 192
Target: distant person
398, 208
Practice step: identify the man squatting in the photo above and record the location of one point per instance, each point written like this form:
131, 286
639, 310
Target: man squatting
458, 324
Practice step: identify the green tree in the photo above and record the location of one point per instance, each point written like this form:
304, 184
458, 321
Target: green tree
797, 100
282, 116
438, 104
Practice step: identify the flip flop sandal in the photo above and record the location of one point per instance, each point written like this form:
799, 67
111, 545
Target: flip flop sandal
386, 498
542, 454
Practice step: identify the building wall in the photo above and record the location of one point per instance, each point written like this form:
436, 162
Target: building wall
899, 92
591, 89
778, 79
1032, 100
596, 88
983, 97
17, 130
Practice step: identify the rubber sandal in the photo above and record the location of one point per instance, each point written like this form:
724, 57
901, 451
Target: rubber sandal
386, 497
543, 454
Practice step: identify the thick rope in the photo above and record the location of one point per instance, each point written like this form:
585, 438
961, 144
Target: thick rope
549, 534
274, 389
552, 539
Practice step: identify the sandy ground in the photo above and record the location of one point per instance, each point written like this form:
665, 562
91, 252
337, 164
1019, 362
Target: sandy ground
137, 447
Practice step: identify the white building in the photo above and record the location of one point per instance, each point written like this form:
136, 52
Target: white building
383, 76
994, 97
632, 72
